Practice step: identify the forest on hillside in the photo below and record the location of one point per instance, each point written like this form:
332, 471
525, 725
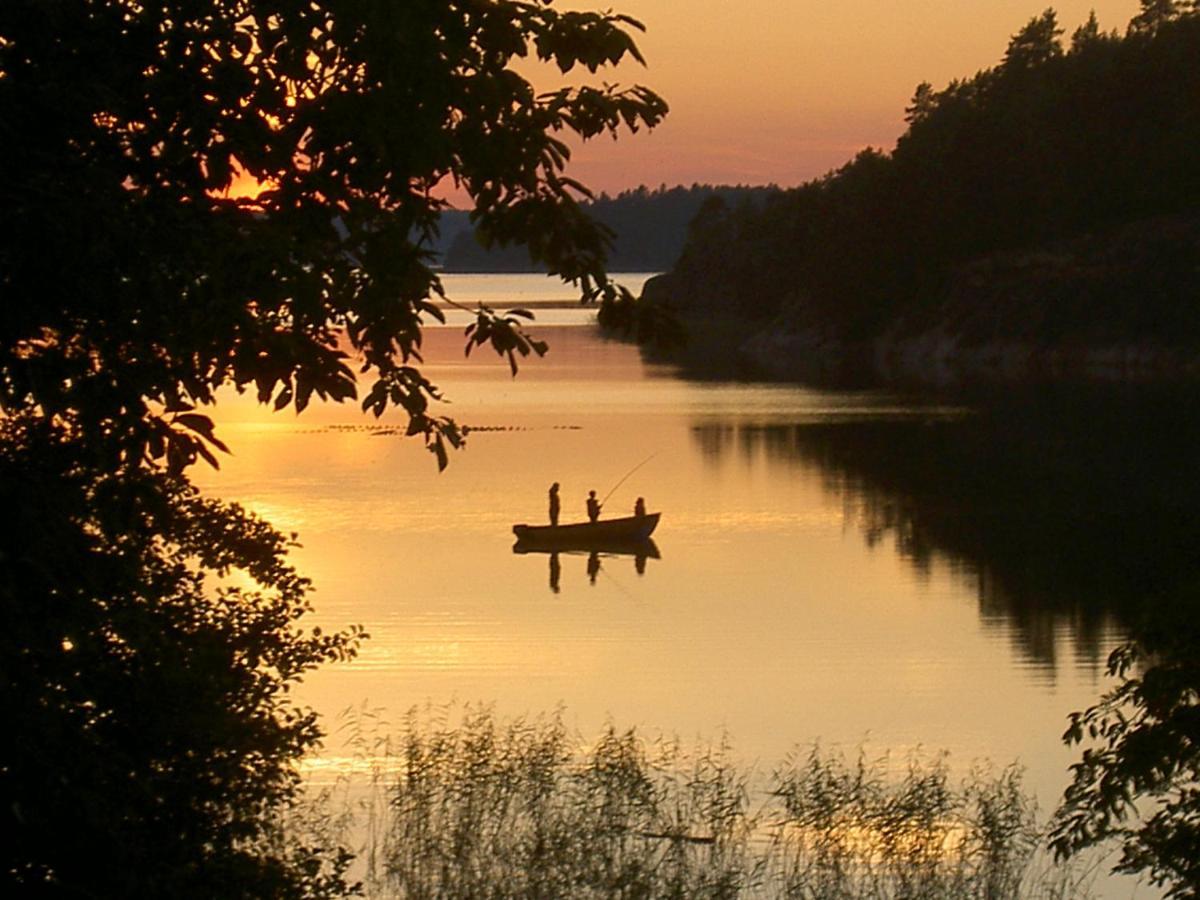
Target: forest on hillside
1054, 197
647, 226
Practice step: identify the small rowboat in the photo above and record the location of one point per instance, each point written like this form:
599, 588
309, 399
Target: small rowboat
630, 529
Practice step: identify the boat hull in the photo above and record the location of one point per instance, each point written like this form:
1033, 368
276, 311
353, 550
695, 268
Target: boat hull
583, 535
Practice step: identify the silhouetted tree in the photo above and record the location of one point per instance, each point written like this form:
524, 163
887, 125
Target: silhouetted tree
1088, 154
1036, 43
1086, 34
922, 104
151, 741
1154, 14
1140, 767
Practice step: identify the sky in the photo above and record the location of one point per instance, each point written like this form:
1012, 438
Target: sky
782, 91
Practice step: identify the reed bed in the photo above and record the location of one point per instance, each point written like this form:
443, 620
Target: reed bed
466, 806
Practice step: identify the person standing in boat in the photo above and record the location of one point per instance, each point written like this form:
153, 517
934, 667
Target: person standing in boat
593, 507
639, 508
554, 504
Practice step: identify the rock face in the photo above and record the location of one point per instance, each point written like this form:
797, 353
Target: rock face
1122, 306
940, 359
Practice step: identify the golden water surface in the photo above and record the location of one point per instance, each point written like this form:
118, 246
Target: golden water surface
778, 612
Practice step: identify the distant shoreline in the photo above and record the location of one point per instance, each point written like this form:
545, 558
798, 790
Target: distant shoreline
519, 304
1114, 306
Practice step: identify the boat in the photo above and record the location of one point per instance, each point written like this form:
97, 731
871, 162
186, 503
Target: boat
584, 535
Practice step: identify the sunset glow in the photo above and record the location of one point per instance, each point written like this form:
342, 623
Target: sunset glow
772, 91
775, 92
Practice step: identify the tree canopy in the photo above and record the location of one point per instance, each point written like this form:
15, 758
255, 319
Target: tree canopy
151, 635
1138, 778
1080, 158
1035, 44
133, 285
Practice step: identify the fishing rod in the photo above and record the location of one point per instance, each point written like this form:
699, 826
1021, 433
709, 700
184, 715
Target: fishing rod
627, 474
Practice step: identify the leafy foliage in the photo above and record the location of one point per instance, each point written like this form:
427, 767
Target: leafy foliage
1140, 767
151, 636
349, 117
150, 640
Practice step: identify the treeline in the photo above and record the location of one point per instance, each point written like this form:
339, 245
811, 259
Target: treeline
1067, 173
648, 229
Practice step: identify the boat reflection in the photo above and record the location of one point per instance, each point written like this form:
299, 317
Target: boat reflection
593, 549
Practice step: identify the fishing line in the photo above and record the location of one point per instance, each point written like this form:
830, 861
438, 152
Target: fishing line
627, 474
620, 587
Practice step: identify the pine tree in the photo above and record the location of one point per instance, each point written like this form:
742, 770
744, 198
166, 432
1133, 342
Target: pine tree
1036, 43
1155, 14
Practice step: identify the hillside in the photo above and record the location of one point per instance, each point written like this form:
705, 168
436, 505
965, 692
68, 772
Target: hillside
1041, 217
648, 226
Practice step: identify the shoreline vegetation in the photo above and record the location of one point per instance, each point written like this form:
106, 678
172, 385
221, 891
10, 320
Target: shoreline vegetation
461, 804
1039, 221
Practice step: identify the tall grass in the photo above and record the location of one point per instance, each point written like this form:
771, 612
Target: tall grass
476, 808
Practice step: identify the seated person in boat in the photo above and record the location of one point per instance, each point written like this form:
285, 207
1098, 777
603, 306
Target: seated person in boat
639, 508
593, 507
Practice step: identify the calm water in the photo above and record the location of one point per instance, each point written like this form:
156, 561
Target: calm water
834, 566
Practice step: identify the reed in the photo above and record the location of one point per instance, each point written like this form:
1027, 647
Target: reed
466, 806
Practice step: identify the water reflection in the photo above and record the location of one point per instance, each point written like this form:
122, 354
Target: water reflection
1067, 510
776, 620
595, 552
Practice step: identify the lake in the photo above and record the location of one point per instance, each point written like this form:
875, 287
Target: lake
846, 567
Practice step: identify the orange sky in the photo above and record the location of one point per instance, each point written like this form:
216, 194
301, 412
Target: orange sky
783, 90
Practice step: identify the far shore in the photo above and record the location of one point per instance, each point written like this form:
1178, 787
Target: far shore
519, 304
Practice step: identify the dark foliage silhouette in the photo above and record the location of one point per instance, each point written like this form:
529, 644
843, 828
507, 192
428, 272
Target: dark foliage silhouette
150, 636
1137, 777
1068, 171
